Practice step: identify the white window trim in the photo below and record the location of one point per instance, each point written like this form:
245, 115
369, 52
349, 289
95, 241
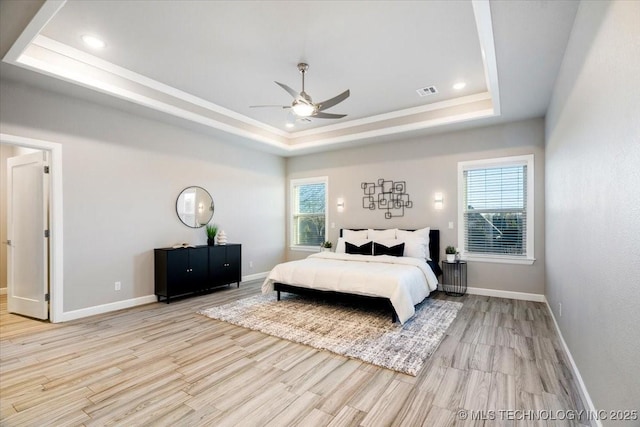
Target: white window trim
528, 160
292, 185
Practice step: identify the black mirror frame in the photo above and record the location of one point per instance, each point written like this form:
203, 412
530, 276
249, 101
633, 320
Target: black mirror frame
212, 207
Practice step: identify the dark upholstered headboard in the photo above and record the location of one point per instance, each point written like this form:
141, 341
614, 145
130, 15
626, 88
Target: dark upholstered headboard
434, 243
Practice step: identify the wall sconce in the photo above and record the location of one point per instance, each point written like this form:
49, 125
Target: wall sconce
340, 205
439, 204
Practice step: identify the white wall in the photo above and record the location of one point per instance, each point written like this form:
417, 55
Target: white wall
593, 207
429, 165
121, 177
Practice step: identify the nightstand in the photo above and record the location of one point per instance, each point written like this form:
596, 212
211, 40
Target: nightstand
454, 278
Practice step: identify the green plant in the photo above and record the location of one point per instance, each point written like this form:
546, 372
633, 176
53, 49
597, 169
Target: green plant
450, 250
212, 230
326, 244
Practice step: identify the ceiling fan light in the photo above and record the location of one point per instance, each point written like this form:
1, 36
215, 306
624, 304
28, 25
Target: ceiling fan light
301, 109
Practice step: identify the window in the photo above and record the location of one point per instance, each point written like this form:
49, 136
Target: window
495, 210
308, 212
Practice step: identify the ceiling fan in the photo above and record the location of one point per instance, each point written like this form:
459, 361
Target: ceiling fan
303, 107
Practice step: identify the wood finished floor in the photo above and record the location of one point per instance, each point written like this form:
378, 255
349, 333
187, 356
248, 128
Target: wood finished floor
162, 364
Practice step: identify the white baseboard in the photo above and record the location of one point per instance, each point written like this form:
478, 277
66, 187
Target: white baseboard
3, 291
506, 294
576, 373
119, 305
105, 308
255, 276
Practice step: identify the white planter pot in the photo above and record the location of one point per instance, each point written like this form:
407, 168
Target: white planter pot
451, 257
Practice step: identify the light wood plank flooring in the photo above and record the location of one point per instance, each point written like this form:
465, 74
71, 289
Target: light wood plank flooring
163, 364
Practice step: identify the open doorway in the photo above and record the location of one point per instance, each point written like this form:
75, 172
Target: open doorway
25, 156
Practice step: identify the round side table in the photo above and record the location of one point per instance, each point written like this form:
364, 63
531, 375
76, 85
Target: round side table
454, 278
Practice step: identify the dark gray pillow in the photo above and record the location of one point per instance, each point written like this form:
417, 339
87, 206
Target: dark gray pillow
358, 250
380, 249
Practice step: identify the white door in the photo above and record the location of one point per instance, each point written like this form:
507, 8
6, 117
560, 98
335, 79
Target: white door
28, 248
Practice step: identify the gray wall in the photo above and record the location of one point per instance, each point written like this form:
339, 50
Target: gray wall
429, 165
593, 208
121, 177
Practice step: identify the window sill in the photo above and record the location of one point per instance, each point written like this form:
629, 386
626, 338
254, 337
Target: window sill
499, 259
305, 248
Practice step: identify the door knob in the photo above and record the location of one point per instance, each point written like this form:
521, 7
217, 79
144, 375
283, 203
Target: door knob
7, 242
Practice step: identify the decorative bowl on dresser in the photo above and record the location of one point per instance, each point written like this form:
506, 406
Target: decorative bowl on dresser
193, 270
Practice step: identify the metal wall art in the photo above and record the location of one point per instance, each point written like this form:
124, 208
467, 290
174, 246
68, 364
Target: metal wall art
389, 196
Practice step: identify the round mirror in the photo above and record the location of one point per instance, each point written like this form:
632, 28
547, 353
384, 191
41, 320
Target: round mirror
194, 207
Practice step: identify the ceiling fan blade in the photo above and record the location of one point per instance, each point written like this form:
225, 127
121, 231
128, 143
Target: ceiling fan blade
321, 115
291, 92
277, 106
333, 101
303, 107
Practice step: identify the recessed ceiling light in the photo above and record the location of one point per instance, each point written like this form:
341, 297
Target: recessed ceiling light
289, 125
93, 42
459, 85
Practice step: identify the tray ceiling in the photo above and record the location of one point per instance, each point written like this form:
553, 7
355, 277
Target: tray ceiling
207, 62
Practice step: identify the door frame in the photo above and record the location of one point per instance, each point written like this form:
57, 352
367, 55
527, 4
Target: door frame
56, 271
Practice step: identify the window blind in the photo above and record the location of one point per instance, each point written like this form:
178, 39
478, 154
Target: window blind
495, 210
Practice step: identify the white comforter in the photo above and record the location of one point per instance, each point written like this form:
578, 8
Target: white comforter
405, 281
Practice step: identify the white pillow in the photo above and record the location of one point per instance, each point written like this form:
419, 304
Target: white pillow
416, 247
422, 233
353, 234
377, 235
341, 247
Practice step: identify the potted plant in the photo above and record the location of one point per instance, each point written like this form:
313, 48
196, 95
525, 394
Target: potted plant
326, 246
212, 230
451, 253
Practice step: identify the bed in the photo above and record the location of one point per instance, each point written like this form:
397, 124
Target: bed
354, 273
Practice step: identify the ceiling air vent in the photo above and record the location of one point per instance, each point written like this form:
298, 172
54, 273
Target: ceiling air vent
426, 91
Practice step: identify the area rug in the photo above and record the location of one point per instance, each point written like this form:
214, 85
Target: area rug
346, 329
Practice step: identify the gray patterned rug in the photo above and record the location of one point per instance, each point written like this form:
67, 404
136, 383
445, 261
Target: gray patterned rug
344, 329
